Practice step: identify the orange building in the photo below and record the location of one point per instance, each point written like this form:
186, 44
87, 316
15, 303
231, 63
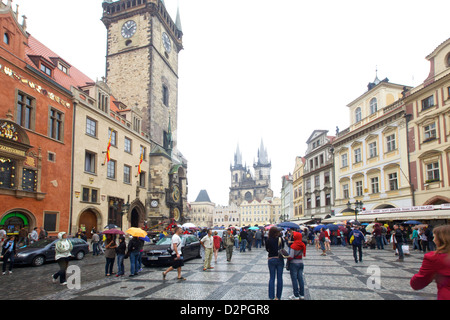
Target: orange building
36, 130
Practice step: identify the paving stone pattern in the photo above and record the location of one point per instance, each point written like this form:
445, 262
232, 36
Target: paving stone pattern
332, 277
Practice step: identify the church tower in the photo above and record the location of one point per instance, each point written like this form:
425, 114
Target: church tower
143, 44
248, 187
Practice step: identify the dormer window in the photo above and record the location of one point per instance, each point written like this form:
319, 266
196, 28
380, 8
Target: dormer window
46, 70
63, 68
6, 38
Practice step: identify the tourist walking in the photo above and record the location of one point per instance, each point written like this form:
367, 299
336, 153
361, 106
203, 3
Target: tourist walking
63, 249
436, 265
178, 259
133, 250
243, 236
95, 242
120, 252
258, 238
357, 241
110, 254
377, 234
295, 261
322, 237
8, 253
207, 243
34, 236
399, 241
415, 239
228, 242
217, 240
275, 263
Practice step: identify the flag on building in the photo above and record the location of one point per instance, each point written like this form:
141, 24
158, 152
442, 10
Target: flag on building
140, 162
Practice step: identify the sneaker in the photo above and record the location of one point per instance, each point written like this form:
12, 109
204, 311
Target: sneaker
302, 298
10, 272
4, 273
294, 297
64, 283
53, 280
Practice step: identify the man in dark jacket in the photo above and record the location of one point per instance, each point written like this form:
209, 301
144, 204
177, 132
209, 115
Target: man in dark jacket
243, 236
399, 241
357, 242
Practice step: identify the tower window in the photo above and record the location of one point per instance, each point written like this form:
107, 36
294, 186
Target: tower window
165, 95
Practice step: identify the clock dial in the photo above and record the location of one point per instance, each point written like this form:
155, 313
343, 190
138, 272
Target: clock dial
176, 214
154, 203
166, 42
175, 194
129, 29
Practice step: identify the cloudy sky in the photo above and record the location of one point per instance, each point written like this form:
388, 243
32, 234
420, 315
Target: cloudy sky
260, 69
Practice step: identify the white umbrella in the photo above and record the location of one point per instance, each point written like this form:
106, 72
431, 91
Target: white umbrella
189, 225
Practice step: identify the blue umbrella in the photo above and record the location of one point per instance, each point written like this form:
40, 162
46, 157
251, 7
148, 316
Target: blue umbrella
317, 228
288, 224
146, 238
412, 222
332, 227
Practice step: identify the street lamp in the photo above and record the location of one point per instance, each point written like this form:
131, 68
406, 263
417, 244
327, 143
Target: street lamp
358, 207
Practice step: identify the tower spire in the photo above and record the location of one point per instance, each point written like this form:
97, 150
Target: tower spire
178, 19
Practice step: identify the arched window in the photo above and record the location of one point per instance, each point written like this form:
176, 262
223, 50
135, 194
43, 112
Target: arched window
373, 105
358, 114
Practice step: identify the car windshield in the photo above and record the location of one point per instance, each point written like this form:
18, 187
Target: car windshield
164, 241
40, 243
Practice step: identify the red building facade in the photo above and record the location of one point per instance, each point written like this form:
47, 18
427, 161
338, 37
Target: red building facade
36, 131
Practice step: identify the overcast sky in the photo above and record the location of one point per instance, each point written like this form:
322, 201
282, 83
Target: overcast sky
260, 69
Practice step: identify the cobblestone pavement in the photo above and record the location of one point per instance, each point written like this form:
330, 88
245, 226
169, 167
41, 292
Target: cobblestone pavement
332, 277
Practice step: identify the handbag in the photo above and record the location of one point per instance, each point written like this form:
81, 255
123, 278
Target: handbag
282, 253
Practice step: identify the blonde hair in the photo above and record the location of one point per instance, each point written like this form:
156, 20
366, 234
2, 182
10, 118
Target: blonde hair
442, 235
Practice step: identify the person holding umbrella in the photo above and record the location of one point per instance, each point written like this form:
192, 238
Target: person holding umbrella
110, 254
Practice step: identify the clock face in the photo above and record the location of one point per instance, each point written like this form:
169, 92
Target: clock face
129, 29
175, 194
154, 203
166, 42
176, 214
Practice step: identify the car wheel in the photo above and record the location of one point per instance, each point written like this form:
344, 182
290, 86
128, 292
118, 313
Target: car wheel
38, 261
80, 255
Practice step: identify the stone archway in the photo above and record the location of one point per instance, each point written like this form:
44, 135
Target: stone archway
87, 221
136, 215
437, 200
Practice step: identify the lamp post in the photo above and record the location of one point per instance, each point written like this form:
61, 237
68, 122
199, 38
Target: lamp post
358, 207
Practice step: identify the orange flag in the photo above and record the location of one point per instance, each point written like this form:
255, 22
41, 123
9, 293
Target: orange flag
139, 167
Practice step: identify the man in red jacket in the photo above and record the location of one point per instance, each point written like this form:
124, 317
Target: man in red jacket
436, 265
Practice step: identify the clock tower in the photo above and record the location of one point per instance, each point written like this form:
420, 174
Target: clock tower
143, 43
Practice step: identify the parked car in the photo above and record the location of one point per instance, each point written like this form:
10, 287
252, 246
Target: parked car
160, 254
43, 251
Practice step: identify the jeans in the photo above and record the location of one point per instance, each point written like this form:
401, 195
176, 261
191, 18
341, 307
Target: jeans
6, 256
379, 241
258, 243
63, 263
243, 245
298, 285
109, 265
416, 244
236, 242
400, 251
359, 248
276, 266
134, 256
120, 265
139, 261
95, 251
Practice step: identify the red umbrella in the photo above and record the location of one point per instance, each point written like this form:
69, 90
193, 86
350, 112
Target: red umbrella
113, 231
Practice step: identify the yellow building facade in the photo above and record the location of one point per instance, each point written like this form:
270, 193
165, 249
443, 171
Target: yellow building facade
297, 184
428, 107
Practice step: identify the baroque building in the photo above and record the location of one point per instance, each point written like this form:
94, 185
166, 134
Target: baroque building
202, 210
247, 186
143, 44
428, 111
370, 157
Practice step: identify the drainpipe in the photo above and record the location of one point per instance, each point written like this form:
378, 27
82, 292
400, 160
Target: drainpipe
408, 117
72, 169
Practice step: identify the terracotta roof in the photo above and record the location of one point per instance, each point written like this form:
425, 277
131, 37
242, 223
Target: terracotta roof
75, 77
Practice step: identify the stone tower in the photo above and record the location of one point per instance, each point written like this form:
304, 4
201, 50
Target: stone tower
143, 43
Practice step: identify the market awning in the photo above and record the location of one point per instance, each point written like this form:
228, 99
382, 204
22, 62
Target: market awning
416, 215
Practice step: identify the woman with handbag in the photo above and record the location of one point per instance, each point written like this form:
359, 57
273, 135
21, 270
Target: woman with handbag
8, 253
295, 261
275, 263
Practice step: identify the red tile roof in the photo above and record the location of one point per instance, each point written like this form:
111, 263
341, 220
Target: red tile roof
75, 77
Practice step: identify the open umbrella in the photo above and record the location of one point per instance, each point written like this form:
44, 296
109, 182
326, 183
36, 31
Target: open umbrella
189, 225
111, 226
317, 228
113, 231
253, 228
137, 232
288, 224
371, 226
146, 238
269, 226
332, 227
412, 222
